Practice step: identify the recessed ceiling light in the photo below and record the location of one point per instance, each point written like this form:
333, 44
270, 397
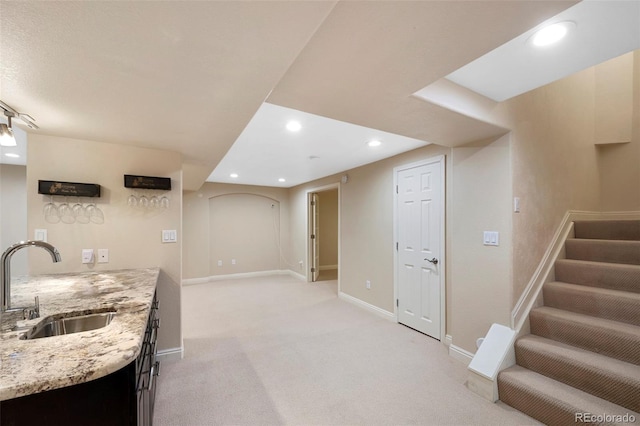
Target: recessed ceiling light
12, 155
282, 180
233, 175
551, 33
294, 126
374, 143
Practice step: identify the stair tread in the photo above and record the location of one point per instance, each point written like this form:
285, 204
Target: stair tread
596, 290
613, 304
608, 337
588, 319
608, 229
600, 375
619, 276
611, 251
571, 399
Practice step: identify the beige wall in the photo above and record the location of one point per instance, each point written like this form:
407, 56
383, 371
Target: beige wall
366, 226
132, 235
481, 276
13, 213
328, 227
219, 220
556, 164
550, 161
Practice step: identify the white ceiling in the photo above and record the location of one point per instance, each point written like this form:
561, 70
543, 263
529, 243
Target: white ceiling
189, 76
603, 30
266, 151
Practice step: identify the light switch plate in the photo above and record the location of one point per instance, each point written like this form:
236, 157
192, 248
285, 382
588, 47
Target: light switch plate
491, 238
103, 255
169, 236
87, 255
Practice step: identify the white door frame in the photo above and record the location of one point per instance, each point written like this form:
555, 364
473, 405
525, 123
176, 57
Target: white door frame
309, 252
442, 261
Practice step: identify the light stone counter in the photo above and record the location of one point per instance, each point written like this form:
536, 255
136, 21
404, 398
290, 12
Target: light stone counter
38, 365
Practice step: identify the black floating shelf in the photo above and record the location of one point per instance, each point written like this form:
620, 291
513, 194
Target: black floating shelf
70, 189
147, 182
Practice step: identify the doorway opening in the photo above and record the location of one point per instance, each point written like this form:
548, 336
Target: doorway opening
323, 233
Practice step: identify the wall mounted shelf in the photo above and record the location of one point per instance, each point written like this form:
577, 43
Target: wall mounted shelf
68, 189
147, 182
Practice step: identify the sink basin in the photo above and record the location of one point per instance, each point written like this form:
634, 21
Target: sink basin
74, 324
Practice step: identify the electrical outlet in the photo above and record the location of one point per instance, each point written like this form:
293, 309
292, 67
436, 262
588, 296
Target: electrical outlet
368, 285
103, 255
233, 261
40, 235
219, 262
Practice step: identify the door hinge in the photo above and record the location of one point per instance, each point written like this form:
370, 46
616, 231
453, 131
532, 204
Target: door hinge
313, 203
313, 269
313, 236
396, 189
396, 246
397, 302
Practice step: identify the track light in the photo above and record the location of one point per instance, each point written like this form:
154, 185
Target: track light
6, 133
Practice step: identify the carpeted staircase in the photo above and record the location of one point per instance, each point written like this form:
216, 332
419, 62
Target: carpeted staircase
583, 353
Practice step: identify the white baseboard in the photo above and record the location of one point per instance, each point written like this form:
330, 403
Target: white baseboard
297, 275
369, 307
172, 354
193, 281
460, 354
448, 340
328, 267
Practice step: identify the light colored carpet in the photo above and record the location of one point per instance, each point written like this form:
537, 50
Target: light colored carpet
276, 350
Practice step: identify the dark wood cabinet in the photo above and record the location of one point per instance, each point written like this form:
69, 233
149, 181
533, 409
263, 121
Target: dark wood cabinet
125, 397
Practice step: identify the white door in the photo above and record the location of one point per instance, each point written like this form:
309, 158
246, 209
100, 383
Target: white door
419, 204
315, 238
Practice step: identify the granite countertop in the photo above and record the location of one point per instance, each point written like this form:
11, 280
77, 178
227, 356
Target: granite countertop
38, 365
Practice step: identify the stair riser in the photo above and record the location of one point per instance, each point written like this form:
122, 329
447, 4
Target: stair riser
599, 382
612, 343
616, 308
625, 252
615, 277
534, 405
608, 230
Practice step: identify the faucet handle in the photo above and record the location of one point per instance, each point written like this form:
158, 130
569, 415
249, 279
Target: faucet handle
35, 312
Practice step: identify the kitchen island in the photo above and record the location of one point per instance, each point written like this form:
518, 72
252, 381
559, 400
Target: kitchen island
29, 367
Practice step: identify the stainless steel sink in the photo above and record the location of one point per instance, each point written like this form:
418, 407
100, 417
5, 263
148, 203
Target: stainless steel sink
75, 324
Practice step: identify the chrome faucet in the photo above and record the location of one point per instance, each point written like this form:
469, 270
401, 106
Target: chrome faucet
5, 277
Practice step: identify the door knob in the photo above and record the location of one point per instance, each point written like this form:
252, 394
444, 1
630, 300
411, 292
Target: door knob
434, 260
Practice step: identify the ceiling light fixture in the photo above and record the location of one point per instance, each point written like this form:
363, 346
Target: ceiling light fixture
552, 33
7, 137
374, 143
233, 175
294, 126
282, 180
12, 155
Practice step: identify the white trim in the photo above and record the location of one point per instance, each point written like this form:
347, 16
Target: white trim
297, 275
443, 242
460, 354
369, 307
541, 275
172, 354
448, 340
323, 188
193, 281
